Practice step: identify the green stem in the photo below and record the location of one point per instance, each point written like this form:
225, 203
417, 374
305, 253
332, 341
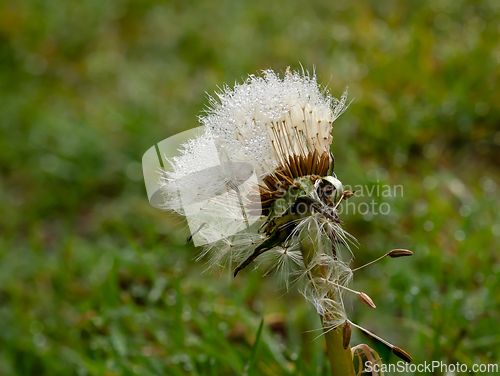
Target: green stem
340, 359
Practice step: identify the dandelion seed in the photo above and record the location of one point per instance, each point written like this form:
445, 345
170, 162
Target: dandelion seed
399, 253
346, 335
348, 194
402, 354
366, 300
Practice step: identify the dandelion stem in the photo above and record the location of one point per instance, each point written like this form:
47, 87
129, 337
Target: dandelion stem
338, 352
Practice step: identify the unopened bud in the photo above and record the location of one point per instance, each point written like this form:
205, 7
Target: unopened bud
366, 300
395, 253
402, 354
346, 335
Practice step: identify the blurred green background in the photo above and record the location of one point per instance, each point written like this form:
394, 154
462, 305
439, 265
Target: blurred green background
95, 281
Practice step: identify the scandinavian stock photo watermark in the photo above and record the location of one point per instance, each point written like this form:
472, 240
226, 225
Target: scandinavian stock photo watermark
433, 367
377, 195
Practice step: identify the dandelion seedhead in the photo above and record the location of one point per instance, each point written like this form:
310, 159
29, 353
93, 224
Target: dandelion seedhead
257, 186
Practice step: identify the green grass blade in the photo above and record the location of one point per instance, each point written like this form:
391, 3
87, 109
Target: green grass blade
253, 355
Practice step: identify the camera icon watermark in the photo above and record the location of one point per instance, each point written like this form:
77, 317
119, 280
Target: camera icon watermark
219, 185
